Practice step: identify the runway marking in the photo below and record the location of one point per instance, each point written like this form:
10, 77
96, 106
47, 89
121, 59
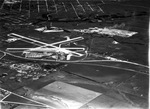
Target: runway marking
20, 6
89, 6
74, 10
20, 36
2, 4
100, 8
64, 6
23, 49
42, 44
80, 5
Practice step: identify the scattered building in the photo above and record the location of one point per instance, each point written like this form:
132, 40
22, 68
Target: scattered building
108, 31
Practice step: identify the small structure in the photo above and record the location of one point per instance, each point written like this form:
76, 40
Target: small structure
108, 31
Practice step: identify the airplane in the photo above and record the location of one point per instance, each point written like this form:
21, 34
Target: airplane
53, 50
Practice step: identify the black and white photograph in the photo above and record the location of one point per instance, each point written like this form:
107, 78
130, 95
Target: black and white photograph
74, 54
